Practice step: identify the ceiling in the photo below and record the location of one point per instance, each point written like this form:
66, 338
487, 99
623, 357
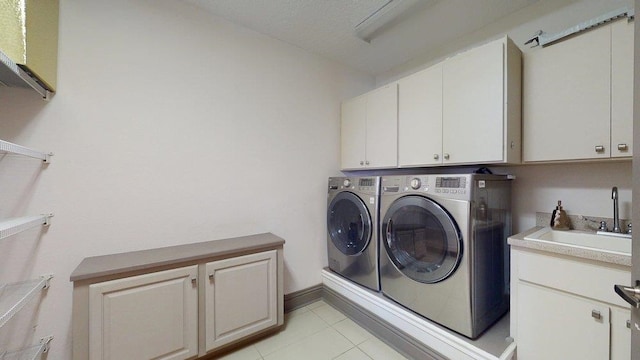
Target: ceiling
327, 27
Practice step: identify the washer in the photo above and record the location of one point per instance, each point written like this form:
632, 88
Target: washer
443, 247
352, 228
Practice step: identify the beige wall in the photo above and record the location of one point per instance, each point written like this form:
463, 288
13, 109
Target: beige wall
169, 126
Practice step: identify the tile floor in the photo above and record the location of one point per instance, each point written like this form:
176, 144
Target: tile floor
317, 332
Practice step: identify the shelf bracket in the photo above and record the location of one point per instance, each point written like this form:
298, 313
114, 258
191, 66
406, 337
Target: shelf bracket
14, 226
12, 148
543, 39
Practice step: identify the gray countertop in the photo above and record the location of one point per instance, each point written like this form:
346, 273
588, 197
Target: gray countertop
114, 264
518, 240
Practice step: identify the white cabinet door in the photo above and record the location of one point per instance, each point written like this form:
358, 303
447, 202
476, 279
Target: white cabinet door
353, 133
620, 333
151, 316
420, 118
557, 325
473, 106
622, 88
566, 99
240, 297
382, 127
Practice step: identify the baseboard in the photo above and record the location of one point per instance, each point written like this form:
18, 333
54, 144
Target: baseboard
392, 336
304, 297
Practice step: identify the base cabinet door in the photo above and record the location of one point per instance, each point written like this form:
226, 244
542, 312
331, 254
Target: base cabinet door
240, 297
557, 325
620, 333
151, 316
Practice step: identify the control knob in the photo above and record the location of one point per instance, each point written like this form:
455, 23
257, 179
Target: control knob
346, 183
415, 183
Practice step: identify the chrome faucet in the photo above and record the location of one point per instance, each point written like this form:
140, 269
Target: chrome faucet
616, 215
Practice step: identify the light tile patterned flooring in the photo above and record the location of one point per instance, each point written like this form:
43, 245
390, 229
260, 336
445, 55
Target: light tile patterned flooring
317, 332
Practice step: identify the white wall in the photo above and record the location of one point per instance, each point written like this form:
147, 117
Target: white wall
170, 126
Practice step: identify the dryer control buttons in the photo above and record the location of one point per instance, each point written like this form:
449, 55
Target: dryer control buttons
346, 183
415, 183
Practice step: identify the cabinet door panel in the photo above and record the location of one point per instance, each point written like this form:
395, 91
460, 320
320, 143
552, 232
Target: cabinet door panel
566, 98
240, 297
420, 118
473, 105
353, 133
151, 316
382, 127
620, 334
555, 325
622, 88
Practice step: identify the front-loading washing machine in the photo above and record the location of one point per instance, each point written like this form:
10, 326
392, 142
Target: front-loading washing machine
352, 228
443, 251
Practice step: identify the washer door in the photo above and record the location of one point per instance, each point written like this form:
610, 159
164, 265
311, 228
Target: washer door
349, 223
422, 239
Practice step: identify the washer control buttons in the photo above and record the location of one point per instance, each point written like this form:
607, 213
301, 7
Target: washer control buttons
415, 183
346, 183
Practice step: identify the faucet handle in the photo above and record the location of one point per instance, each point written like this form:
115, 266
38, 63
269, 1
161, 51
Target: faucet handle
629, 229
603, 226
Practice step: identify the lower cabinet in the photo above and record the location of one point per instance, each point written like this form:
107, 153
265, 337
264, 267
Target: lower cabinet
199, 308
240, 298
555, 325
150, 316
565, 308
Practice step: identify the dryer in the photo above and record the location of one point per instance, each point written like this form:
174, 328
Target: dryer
352, 228
443, 251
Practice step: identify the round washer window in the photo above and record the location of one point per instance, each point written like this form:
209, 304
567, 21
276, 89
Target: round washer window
349, 223
421, 239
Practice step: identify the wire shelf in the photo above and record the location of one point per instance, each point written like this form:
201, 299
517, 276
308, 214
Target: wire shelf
13, 297
31, 353
14, 226
12, 148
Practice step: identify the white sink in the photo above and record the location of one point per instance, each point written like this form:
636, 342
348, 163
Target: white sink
583, 240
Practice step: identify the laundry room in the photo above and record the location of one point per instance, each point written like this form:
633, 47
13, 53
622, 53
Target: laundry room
212, 130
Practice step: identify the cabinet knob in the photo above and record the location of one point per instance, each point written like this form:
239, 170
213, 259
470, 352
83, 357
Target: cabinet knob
361, 162
599, 149
436, 156
211, 277
623, 147
628, 324
366, 162
194, 280
596, 314
446, 156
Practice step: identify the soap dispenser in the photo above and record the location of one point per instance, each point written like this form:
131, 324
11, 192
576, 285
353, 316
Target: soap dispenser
559, 218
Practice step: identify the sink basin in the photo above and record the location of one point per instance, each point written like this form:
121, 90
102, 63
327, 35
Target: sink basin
583, 240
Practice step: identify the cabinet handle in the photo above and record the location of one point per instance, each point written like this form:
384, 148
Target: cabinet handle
211, 277
446, 156
599, 148
194, 281
623, 147
628, 324
596, 314
436, 156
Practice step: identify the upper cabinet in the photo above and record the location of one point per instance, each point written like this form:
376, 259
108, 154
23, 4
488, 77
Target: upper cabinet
420, 118
29, 44
578, 96
369, 131
465, 110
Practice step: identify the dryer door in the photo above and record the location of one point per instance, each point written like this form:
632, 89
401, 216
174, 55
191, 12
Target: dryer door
422, 239
349, 223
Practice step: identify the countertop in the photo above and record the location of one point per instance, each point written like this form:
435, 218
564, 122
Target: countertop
114, 264
518, 240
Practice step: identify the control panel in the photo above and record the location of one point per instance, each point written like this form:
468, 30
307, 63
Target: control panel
451, 186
